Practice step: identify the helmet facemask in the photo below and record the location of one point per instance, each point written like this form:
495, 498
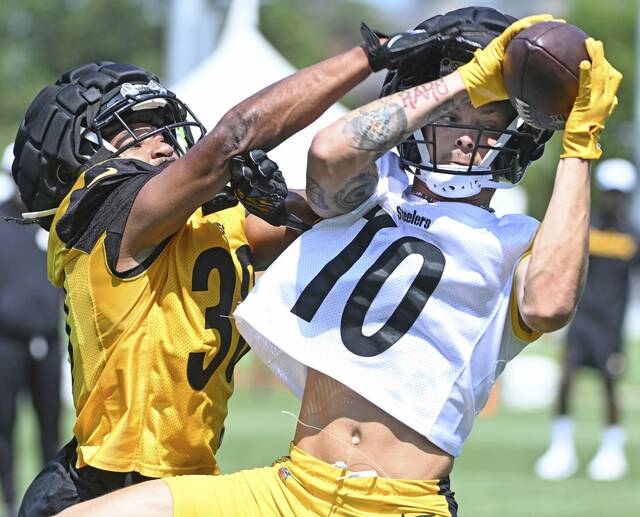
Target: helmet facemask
68, 126
148, 103
499, 167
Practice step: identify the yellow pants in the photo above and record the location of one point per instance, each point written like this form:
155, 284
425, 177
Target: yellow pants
302, 485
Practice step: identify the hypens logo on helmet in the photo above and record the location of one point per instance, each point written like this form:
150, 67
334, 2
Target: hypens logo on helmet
448, 65
284, 473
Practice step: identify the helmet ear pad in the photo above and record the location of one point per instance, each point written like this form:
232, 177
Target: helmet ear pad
530, 147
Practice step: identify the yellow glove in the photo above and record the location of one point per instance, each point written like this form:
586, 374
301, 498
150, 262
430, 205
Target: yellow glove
596, 100
482, 76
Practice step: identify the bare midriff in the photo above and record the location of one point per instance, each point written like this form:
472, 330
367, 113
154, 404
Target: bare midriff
338, 426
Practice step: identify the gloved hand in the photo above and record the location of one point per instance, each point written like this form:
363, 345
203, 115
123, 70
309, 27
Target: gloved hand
260, 186
482, 76
396, 49
221, 201
596, 100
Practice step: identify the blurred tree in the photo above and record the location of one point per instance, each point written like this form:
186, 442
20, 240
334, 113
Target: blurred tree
42, 38
306, 32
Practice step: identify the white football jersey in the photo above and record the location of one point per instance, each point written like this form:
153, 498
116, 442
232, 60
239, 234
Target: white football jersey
408, 303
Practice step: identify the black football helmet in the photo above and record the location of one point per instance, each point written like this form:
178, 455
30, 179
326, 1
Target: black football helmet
460, 33
68, 125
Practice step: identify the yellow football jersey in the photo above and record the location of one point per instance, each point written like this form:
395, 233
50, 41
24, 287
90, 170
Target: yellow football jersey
153, 349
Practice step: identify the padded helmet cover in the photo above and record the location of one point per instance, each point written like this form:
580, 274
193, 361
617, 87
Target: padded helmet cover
51, 150
462, 32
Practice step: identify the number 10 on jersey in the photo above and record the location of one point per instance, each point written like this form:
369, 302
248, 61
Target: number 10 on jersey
369, 285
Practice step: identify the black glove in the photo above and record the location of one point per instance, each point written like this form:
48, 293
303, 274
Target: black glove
260, 187
396, 49
221, 201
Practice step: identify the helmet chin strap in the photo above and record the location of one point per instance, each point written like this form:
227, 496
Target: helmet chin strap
93, 138
458, 186
31, 216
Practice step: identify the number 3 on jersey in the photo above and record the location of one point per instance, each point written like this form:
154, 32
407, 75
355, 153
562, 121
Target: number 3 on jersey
369, 285
217, 317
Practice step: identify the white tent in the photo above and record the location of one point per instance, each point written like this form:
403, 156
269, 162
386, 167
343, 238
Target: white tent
243, 63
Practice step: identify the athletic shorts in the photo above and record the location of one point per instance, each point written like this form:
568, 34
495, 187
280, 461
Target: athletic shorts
61, 485
301, 485
600, 349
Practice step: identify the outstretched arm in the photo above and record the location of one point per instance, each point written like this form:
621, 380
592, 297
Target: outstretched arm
549, 283
263, 120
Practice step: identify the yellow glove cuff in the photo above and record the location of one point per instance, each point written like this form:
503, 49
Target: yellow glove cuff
582, 143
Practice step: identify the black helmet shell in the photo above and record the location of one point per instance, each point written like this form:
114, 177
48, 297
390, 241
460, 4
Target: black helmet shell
49, 149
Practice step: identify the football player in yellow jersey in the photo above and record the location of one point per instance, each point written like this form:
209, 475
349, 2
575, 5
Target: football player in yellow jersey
392, 356
154, 254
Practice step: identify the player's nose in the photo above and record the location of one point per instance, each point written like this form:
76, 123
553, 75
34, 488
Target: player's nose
465, 143
161, 149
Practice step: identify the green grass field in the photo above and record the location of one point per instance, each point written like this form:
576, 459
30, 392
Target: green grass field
493, 477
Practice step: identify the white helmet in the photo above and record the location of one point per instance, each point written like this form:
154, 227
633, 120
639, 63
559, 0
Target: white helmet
616, 174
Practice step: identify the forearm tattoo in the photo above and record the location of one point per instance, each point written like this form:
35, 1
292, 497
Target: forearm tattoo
434, 90
384, 123
316, 194
356, 191
376, 127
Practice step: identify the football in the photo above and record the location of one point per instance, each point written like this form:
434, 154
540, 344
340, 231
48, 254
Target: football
541, 70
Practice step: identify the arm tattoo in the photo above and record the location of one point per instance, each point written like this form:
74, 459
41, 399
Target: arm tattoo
376, 128
433, 90
357, 190
316, 193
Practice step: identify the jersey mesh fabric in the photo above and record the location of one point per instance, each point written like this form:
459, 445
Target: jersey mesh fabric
433, 375
145, 397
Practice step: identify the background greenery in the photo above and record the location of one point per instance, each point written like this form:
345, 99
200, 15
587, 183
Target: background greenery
41, 38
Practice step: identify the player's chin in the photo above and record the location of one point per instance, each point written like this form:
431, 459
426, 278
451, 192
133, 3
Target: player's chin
457, 163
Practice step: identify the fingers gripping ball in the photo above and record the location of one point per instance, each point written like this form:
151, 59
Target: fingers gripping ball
541, 72
482, 76
596, 100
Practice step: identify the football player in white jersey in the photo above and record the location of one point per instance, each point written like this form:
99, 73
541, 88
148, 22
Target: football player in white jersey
393, 317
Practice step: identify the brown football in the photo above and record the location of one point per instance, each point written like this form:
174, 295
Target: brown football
541, 70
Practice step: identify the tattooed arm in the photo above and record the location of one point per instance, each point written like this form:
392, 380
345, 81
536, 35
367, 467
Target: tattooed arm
341, 173
263, 120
